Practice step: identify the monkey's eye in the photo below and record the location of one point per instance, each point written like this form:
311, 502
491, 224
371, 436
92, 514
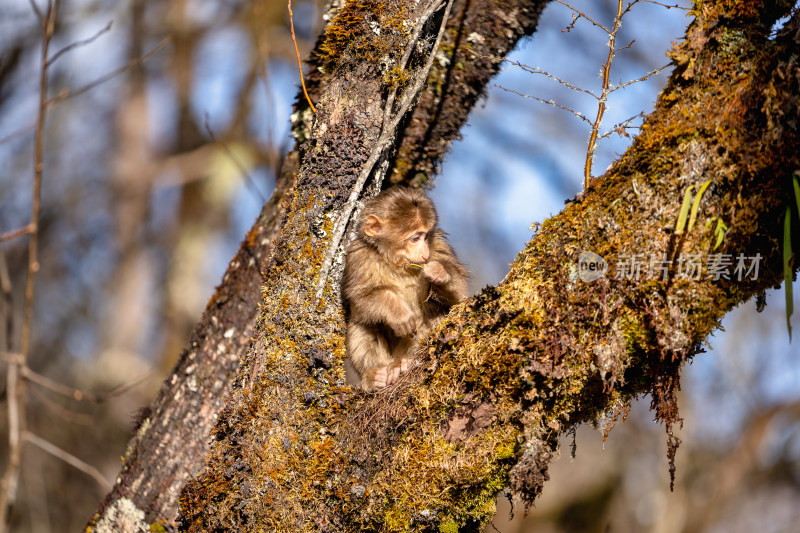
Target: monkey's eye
416, 237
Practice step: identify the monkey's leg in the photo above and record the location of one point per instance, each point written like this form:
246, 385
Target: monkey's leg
369, 355
403, 349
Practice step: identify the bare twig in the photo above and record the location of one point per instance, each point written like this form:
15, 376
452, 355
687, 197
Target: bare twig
15, 386
38, 169
68, 458
621, 127
629, 45
637, 80
6, 304
11, 358
299, 64
548, 102
581, 14
79, 43
65, 414
58, 388
388, 131
668, 6
537, 70
15, 412
22, 131
66, 94
77, 394
606, 88
16, 233
37, 12
601, 104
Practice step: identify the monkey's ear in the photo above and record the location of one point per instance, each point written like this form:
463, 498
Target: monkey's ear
373, 225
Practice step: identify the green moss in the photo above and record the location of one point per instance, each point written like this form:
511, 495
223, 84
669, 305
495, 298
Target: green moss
448, 526
368, 32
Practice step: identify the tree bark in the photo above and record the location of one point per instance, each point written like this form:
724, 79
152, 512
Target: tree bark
511, 369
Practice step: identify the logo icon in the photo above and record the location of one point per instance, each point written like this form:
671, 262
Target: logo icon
591, 266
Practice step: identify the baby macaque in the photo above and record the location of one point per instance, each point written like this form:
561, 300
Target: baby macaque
400, 277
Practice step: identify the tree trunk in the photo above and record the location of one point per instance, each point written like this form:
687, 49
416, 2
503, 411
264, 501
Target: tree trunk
511, 369
161, 457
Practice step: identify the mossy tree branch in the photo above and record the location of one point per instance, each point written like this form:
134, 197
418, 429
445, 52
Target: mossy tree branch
519, 364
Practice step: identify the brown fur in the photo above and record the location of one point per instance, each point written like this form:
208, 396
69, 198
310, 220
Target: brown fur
390, 304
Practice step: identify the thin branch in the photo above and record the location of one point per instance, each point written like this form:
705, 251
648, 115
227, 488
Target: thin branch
67, 415
79, 43
38, 168
621, 127
12, 358
537, 70
629, 7
637, 80
584, 15
68, 458
6, 307
601, 105
629, 45
53, 386
242, 170
16, 233
77, 394
387, 133
606, 87
15, 386
37, 12
668, 6
66, 94
21, 131
299, 64
15, 413
548, 102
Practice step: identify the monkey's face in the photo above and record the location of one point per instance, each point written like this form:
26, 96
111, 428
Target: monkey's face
399, 239
415, 246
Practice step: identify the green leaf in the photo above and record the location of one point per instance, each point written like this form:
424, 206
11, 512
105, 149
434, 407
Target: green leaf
787, 268
687, 202
696, 204
796, 183
720, 231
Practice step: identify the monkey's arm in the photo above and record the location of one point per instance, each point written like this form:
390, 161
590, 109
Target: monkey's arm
382, 305
450, 288
370, 296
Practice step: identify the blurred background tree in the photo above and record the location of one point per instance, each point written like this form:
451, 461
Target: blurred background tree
153, 176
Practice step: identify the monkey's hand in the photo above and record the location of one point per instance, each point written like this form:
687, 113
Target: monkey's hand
435, 272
